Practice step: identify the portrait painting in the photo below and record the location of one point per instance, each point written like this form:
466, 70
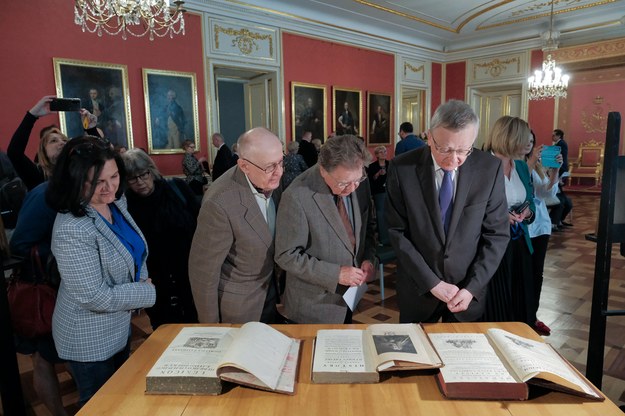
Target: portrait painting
103, 91
380, 118
171, 109
308, 110
347, 111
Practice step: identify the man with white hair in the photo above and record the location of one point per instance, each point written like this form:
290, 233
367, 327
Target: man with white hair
231, 267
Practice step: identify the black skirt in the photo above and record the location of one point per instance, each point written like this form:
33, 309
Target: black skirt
511, 290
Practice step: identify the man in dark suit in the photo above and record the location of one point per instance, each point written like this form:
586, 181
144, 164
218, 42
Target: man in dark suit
223, 159
408, 140
448, 220
231, 267
325, 233
307, 149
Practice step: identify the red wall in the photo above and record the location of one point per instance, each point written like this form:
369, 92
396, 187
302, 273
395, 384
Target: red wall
326, 63
437, 88
591, 96
455, 81
33, 32
541, 112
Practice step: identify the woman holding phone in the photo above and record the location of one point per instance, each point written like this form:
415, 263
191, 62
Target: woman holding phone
545, 181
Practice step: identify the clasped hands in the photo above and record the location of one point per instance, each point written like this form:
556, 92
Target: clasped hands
457, 299
354, 276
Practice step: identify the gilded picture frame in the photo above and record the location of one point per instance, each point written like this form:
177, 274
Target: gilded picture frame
171, 110
308, 110
379, 118
103, 90
347, 111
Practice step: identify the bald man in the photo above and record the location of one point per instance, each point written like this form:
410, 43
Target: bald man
231, 265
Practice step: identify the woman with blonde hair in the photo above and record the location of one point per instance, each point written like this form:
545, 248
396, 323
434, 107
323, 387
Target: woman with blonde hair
511, 291
50, 146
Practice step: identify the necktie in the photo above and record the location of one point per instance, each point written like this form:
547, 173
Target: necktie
340, 205
445, 197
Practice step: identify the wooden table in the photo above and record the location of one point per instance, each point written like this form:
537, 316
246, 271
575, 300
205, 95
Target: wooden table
401, 393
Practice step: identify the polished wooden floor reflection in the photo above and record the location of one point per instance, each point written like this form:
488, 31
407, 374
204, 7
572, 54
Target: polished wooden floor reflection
564, 307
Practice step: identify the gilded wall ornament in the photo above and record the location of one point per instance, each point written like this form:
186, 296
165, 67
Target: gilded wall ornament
496, 67
412, 68
244, 39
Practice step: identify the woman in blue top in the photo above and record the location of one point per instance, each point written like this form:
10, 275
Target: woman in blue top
101, 256
511, 291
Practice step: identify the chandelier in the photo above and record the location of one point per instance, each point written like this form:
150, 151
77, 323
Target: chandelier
136, 17
550, 82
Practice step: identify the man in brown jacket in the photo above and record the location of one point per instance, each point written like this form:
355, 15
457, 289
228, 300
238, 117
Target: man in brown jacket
231, 267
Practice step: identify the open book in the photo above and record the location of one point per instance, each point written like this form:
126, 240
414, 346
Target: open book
199, 358
497, 365
357, 356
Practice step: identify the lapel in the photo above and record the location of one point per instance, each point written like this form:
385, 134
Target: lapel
325, 202
252, 215
107, 233
425, 174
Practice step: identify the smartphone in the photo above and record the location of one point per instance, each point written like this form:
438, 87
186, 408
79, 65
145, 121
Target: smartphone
65, 104
548, 156
518, 209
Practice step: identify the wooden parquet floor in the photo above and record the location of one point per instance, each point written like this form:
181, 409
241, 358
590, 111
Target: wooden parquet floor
565, 307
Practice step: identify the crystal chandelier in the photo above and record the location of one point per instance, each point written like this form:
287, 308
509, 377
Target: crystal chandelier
550, 82
136, 17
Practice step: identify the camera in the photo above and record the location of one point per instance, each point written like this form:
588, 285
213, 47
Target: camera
65, 104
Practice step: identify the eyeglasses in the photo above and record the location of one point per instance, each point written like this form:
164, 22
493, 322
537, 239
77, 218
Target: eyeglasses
447, 151
133, 180
343, 185
269, 169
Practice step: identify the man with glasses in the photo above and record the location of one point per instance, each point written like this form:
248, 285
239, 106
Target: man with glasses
325, 233
231, 267
448, 220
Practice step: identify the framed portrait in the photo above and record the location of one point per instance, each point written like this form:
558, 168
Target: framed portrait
346, 111
308, 110
379, 117
103, 90
171, 110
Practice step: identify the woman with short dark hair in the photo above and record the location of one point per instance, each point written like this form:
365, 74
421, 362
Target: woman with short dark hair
166, 212
101, 256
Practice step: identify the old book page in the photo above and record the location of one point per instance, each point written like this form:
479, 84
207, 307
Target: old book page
286, 382
529, 359
195, 352
189, 364
342, 355
402, 346
260, 350
469, 358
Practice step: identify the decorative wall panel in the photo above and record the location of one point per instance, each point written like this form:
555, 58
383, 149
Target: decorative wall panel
495, 68
240, 39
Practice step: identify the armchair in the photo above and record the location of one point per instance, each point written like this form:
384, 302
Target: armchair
589, 163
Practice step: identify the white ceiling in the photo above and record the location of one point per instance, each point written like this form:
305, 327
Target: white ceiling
457, 25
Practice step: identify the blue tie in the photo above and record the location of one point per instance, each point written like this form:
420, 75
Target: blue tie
445, 197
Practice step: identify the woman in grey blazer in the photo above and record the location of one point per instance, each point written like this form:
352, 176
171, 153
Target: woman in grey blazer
101, 256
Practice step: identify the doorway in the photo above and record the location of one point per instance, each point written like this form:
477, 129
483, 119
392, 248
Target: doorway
244, 99
413, 108
493, 102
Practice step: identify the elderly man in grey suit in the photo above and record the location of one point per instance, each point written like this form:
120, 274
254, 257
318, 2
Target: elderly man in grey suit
325, 233
231, 267
448, 221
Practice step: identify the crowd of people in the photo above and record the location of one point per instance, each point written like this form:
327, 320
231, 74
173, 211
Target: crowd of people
280, 239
